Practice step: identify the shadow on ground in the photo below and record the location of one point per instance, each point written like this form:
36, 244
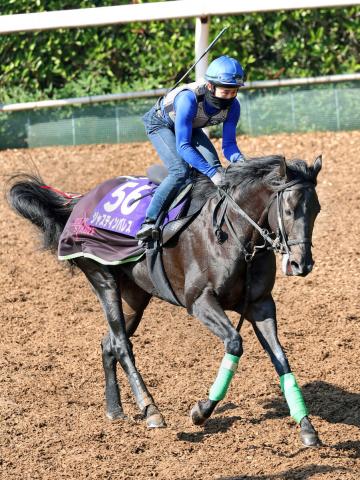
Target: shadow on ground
300, 473
329, 402
213, 425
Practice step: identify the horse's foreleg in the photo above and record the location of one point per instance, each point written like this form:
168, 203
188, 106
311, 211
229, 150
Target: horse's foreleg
263, 317
208, 310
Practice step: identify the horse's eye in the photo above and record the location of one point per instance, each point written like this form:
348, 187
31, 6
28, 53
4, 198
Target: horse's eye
288, 212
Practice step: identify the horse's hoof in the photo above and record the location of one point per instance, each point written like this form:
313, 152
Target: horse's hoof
196, 414
116, 416
156, 420
310, 439
308, 434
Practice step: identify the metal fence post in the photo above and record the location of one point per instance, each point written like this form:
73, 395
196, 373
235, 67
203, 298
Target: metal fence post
292, 100
337, 108
73, 128
117, 125
248, 111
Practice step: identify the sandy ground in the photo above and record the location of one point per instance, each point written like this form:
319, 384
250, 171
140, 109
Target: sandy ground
51, 383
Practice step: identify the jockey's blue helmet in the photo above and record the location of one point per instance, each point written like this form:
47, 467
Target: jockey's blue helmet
225, 72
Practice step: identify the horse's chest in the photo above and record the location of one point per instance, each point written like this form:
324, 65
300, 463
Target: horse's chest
258, 276
230, 286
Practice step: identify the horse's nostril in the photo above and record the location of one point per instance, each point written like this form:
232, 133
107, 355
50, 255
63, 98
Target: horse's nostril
295, 266
298, 269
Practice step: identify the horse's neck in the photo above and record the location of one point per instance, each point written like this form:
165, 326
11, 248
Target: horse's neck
254, 200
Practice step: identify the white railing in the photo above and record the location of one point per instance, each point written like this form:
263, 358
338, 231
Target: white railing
90, 17
162, 91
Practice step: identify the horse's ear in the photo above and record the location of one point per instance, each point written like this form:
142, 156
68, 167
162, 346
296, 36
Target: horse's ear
282, 167
317, 165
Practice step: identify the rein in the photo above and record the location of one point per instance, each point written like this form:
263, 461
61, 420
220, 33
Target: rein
279, 245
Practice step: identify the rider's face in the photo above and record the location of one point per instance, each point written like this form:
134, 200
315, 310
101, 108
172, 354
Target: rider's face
223, 92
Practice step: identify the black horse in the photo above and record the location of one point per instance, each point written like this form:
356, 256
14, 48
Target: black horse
223, 260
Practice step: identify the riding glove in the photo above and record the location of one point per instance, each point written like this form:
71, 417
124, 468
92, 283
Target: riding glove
217, 179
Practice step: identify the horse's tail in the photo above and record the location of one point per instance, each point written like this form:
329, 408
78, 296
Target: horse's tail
45, 207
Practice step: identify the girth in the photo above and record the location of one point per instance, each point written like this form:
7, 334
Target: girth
155, 246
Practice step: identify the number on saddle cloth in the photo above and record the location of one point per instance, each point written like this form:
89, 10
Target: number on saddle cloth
122, 210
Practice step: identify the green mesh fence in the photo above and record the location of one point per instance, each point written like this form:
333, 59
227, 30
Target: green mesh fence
300, 109
286, 109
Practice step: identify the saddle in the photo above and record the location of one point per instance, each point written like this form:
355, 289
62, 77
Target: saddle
156, 174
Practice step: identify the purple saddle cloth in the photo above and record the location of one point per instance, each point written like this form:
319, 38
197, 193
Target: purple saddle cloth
104, 222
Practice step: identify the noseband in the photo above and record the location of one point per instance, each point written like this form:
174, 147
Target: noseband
281, 242
281, 233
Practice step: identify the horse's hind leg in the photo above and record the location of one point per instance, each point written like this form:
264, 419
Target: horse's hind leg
117, 347
263, 318
134, 301
114, 410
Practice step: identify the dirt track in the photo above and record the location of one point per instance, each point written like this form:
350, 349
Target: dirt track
51, 393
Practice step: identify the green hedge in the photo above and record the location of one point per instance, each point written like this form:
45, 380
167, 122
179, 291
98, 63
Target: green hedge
144, 55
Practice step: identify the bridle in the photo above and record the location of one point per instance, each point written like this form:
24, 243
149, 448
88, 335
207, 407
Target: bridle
281, 242
282, 235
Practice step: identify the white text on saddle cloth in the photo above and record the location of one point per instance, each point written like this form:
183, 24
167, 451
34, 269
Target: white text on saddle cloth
123, 209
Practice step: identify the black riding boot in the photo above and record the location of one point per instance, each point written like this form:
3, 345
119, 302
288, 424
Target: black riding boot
146, 229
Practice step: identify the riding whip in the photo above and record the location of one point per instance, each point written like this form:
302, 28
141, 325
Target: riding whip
198, 60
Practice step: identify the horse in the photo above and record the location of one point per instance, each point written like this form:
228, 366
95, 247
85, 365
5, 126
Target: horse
223, 260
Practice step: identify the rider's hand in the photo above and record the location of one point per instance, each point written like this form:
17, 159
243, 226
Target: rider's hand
217, 179
239, 159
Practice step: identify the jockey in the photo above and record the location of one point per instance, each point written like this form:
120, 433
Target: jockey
174, 126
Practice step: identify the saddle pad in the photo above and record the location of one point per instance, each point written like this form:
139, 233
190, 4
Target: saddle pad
93, 232
123, 209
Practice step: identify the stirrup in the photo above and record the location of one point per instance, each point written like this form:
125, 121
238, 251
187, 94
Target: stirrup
146, 230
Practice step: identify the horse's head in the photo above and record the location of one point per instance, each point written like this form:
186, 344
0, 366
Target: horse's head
292, 215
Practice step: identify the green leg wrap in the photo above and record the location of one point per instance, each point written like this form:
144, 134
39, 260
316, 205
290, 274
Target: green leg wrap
294, 397
225, 374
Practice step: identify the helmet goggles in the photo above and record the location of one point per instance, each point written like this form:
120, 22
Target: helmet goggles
227, 80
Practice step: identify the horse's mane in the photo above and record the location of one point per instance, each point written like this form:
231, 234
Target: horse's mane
261, 170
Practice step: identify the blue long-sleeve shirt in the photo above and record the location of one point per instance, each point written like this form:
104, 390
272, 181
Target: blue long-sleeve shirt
186, 107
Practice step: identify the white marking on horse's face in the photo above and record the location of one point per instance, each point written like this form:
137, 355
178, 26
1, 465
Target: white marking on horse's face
285, 264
